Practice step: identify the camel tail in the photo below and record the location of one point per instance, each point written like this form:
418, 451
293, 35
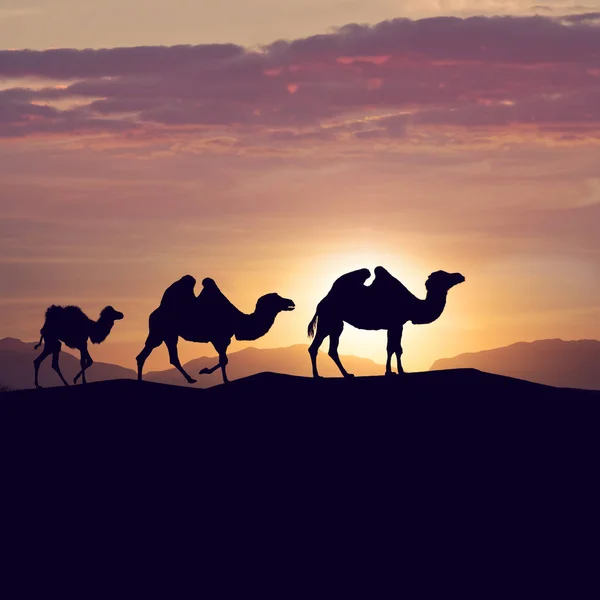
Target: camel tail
312, 326
52, 313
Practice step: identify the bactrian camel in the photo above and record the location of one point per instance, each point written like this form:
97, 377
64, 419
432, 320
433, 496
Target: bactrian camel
72, 326
385, 304
209, 317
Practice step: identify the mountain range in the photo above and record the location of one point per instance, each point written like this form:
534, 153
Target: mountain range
16, 366
574, 364
293, 360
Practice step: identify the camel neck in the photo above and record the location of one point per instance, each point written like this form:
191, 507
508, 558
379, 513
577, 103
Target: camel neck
430, 308
101, 330
254, 326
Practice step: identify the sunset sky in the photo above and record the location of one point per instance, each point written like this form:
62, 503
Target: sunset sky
275, 145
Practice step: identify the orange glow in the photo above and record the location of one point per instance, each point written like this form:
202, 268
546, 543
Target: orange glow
375, 60
203, 161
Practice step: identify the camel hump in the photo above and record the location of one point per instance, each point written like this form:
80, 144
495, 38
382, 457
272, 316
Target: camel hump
207, 282
352, 279
386, 285
383, 278
53, 311
213, 303
381, 272
211, 290
179, 294
188, 280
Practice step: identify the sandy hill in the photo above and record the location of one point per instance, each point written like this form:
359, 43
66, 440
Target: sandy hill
275, 473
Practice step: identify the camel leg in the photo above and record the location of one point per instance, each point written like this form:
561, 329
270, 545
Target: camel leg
46, 351
86, 362
55, 366
208, 371
174, 357
399, 354
334, 340
90, 362
221, 348
153, 341
390, 352
320, 335
394, 346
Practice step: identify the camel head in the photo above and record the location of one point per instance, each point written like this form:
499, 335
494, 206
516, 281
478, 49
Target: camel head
274, 303
440, 281
253, 326
110, 314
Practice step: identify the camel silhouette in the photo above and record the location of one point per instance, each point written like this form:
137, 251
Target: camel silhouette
385, 304
209, 317
72, 326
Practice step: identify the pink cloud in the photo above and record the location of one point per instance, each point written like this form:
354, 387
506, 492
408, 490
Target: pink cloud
466, 73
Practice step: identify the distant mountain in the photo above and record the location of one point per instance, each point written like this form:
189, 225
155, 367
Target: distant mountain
552, 362
16, 366
293, 360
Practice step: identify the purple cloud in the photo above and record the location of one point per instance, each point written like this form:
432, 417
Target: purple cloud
69, 63
473, 72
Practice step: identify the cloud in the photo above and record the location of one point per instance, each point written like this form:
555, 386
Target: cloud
20, 116
400, 79
88, 63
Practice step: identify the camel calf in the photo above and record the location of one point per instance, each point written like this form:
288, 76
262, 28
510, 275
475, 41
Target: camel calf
72, 326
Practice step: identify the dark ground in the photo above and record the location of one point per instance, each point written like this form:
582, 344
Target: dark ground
460, 474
